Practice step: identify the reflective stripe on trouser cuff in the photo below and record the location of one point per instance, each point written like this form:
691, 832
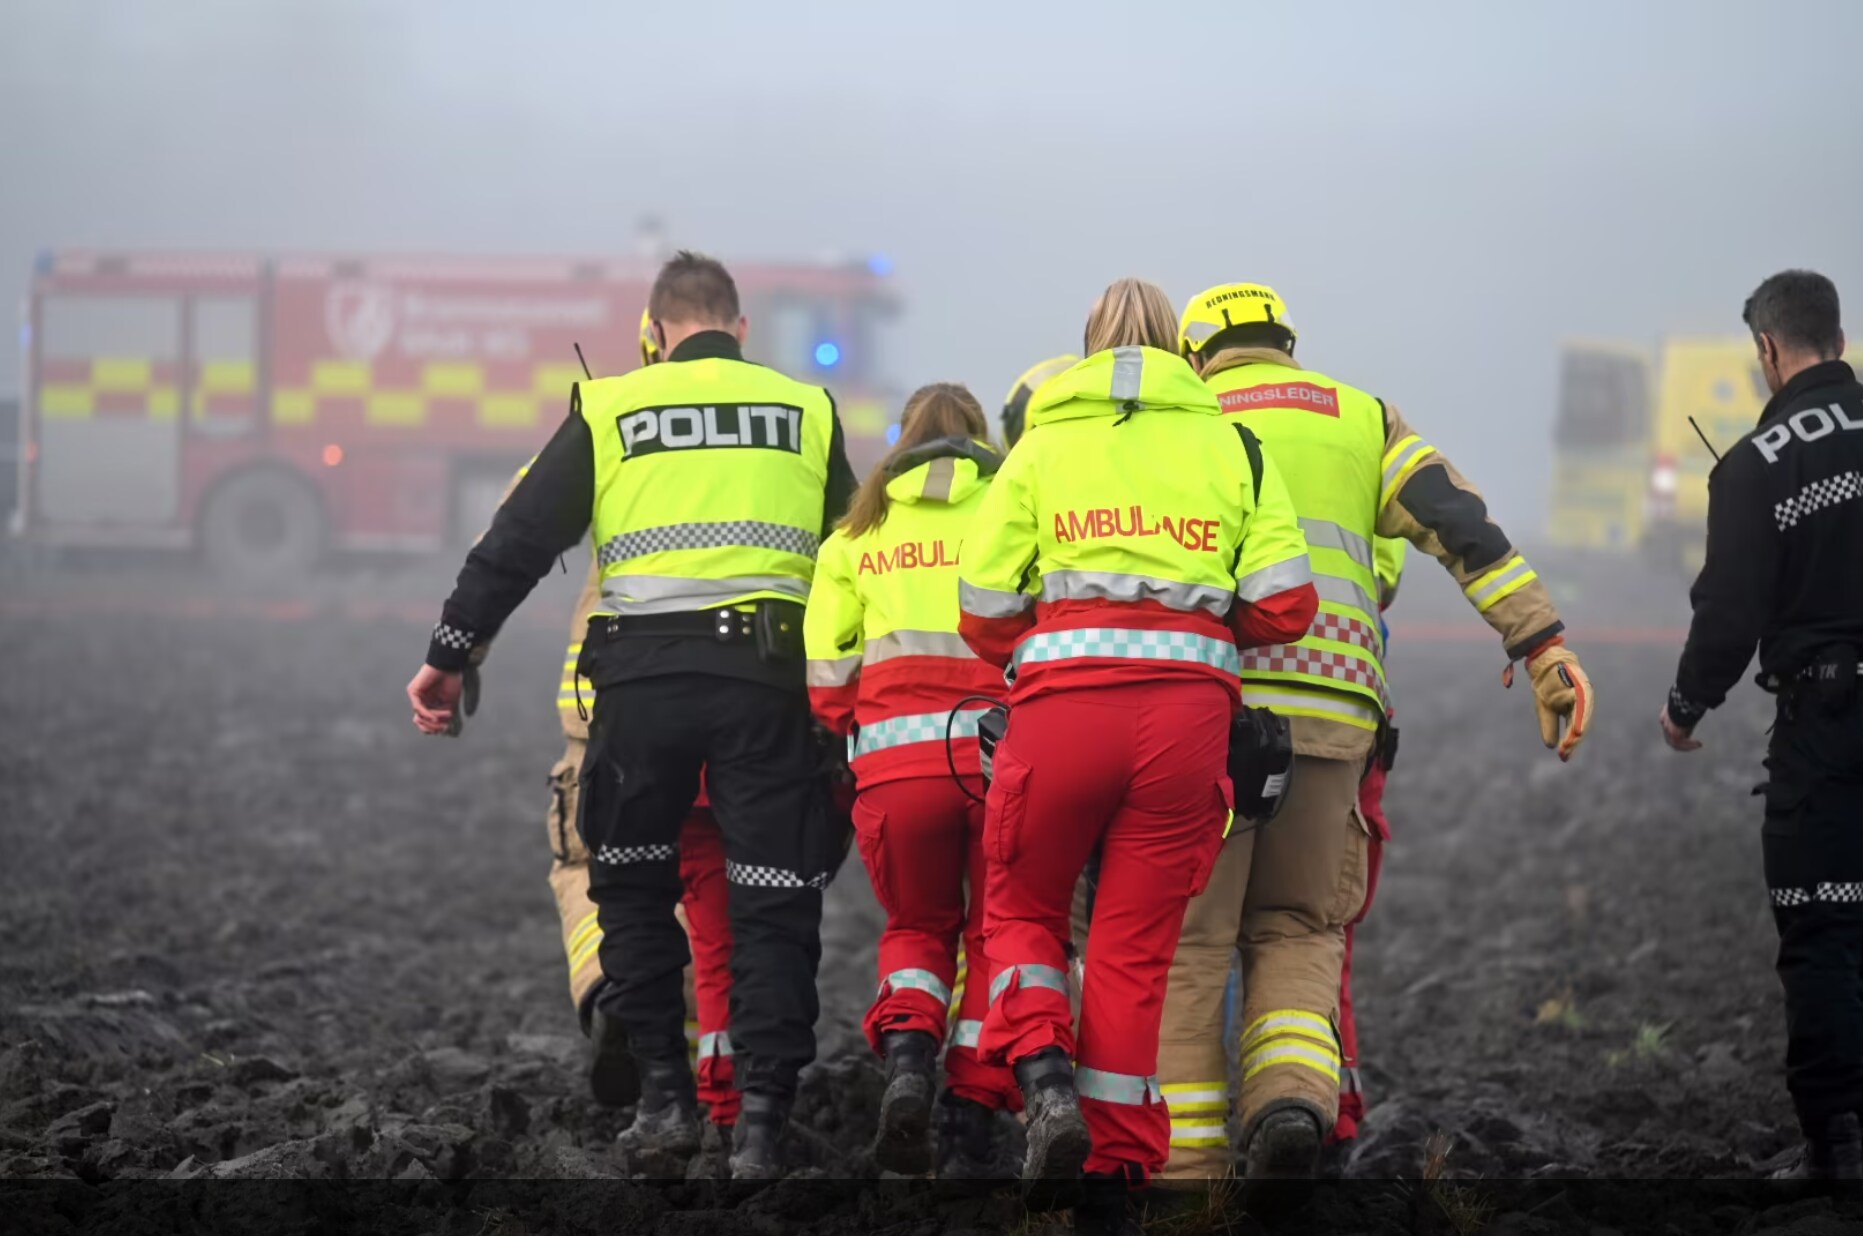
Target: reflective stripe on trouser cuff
991, 602
1203, 1096
1400, 461
752, 876
1033, 975
621, 855
584, 942
917, 980
1289, 1051
833, 673
670, 594
917, 727
1199, 1133
1122, 644
967, 1033
1115, 586
1297, 1022
732, 534
917, 644
1273, 578
1325, 534
716, 1043
1126, 1088
1505, 580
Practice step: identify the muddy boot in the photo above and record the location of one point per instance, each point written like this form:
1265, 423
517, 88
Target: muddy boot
902, 1144
1102, 1208
614, 1079
1837, 1155
1282, 1159
666, 1123
757, 1141
966, 1139
1058, 1141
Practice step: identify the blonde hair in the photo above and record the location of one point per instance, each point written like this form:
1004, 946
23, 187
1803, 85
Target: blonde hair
1132, 313
940, 410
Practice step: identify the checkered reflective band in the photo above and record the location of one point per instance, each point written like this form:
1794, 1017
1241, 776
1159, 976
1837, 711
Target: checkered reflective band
917, 727
452, 637
1815, 497
1120, 644
752, 876
735, 533
1830, 893
618, 855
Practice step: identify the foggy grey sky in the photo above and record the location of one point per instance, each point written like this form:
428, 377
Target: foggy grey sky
1441, 191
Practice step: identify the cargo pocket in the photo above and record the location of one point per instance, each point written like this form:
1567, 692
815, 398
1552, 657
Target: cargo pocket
1007, 809
1785, 808
1354, 869
870, 836
565, 794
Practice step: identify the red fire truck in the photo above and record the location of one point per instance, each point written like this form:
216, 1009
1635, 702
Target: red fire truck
266, 410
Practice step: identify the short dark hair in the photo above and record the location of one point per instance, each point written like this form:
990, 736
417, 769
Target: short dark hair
1798, 308
694, 288
1250, 335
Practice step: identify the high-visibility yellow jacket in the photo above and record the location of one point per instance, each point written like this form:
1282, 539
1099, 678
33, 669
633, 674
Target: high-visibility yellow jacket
886, 664
1131, 535
1356, 471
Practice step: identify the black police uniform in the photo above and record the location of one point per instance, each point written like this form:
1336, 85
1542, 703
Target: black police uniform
1785, 570
695, 693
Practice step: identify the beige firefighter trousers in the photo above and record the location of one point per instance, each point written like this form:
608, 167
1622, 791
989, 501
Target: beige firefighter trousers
569, 881
1283, 894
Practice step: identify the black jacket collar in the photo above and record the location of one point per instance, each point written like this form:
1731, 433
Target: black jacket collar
1824, 373
987, 460
708, 345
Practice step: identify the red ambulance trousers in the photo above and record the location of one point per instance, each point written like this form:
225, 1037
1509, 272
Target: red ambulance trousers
921, 839
708, 916
1141, 771
1351, 1091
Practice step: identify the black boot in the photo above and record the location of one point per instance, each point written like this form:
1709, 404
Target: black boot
1058, 1141
966, 1139
1102, 1209
1836, 1155
757, 1141
901, 1144
1285, 1144
614, 1079
666, 1123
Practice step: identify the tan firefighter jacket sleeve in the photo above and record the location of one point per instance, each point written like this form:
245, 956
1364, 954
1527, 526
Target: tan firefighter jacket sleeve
1426, 501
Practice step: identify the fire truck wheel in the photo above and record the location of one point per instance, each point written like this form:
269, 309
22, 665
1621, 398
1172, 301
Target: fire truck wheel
263, 525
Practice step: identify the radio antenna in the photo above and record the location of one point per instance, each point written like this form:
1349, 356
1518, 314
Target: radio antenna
1691, 420
591, 377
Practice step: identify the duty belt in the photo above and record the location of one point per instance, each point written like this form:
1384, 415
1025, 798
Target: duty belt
724, 625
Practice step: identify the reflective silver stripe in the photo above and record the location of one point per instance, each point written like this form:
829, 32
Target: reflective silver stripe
751, 875
967, 1033
918, 980
1342, 591
1113, 586
836, 673
914, 727
1033, 975
1257, 696
669, 594
1126, 645
736, 533
1396, 466
1273, 578
917, 644
1325, 534
717, 1043
991, 602
1126, 1088
1493, 582
1128, 372
939, 478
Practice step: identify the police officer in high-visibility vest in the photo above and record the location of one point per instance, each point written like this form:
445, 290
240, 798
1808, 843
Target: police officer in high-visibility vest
1016, 403
1130, 544
1285, 892
709, 483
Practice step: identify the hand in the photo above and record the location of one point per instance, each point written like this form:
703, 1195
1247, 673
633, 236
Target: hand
1676, 736
1562, 693
435, 695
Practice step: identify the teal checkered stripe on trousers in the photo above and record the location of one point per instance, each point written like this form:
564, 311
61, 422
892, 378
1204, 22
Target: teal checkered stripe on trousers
1126, 645
917, 727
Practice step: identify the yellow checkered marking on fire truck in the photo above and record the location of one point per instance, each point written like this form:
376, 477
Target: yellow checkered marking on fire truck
110, 375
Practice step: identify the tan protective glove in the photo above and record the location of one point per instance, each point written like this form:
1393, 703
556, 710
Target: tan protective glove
1561, 693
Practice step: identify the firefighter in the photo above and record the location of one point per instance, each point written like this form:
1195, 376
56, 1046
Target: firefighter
1785, 536
1016, 403
1355, 471
1120, 557
886, 665
709, 483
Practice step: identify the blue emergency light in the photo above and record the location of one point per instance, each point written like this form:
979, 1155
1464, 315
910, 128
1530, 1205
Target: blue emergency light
827, 355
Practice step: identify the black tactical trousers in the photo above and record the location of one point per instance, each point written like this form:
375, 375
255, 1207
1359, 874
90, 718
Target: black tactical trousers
1813, 845
648, 740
